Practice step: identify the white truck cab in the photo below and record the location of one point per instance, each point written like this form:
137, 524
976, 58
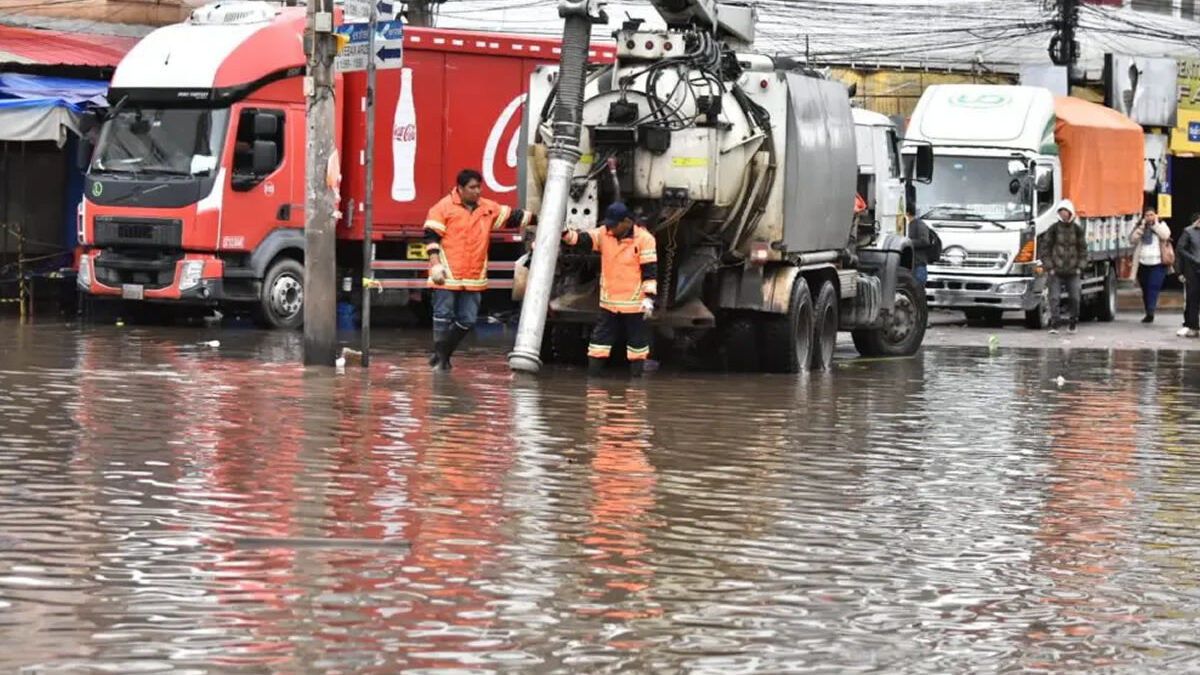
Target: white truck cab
997, 176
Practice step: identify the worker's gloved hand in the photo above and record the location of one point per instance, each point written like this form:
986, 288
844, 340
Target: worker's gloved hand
437, 274
648, 308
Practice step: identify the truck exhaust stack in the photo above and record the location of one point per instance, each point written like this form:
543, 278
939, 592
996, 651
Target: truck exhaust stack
564, 153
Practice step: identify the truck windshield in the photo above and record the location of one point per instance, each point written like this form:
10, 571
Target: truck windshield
170, 141
972, 188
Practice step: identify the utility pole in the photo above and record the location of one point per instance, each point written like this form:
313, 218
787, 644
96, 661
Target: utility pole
369, 197
420, 12
320, 207
1064, 49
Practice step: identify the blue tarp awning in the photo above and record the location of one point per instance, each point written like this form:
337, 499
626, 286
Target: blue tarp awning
37, 108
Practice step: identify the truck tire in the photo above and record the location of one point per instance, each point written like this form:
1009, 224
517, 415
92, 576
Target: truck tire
904, 327
825, 327
1039, 317
739, 343
787, 341
1106, 302
281, 301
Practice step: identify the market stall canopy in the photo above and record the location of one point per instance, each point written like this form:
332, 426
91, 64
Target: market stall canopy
38, 108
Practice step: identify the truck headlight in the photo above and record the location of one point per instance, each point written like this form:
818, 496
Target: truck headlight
84, 278
189, 274
1013, 287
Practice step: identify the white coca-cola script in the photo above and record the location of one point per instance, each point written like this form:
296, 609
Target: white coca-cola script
503, 122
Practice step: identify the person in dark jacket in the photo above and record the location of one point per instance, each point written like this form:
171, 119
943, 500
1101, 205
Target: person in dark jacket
1066, 256
1187, 259
922, 242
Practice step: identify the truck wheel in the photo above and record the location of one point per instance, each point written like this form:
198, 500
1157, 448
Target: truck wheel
787, 343
825, 327
904, 327
1106, 302
281, 302
739, 344
1039, 317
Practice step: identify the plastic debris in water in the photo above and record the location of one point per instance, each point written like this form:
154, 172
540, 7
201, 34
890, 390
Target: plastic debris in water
993, 343
340, 364
120, 322
1060, 381
212, 343
351, 356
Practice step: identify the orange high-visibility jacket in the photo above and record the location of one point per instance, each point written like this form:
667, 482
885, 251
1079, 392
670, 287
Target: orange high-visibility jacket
462, 238
622, 288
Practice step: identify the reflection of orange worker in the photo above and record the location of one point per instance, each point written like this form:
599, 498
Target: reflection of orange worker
628, 286
860, 204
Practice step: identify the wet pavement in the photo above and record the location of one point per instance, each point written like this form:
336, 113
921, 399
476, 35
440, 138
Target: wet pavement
168, 506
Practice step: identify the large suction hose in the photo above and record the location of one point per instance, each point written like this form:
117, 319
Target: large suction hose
563, 156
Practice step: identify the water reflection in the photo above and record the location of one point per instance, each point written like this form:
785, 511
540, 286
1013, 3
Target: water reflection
950, 513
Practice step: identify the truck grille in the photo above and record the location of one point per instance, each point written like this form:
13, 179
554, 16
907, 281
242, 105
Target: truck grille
975, 260
123, 231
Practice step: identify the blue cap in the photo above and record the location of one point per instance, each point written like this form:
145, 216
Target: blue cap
615, 213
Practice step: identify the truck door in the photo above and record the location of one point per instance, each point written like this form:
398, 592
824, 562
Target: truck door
889, 206
1047, 192
259, 189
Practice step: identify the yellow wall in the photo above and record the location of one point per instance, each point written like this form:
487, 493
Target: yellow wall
895, 92
143, 12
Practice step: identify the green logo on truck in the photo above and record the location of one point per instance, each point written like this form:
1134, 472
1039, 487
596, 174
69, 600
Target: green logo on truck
97, 189
980, 101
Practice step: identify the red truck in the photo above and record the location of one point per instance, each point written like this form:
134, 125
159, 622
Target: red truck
195, 191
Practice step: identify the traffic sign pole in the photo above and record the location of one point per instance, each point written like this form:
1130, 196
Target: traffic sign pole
369, 198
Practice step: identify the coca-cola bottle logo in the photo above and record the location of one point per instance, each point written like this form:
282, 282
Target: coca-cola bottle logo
498, 157
405, 133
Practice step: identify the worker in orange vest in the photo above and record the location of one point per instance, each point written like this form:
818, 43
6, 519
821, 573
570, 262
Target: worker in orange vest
628, 286
457, 234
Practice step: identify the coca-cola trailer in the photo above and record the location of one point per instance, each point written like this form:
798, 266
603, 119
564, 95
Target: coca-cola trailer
195, 192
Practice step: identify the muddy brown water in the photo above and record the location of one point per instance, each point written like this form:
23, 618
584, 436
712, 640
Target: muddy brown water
166, 506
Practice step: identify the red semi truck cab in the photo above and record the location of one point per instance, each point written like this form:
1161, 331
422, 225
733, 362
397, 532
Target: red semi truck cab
195, 192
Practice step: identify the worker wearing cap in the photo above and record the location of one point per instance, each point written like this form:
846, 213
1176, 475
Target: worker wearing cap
628, 286
457, 235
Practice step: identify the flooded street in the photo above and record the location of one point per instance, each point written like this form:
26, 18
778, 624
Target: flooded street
168, 506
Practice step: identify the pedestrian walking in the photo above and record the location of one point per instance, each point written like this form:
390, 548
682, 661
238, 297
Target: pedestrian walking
628, 287
457, 234
1153, 257
1188, 260
1065, 244
925, 242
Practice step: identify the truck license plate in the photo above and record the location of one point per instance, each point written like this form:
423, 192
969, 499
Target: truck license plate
416, 251
133, 292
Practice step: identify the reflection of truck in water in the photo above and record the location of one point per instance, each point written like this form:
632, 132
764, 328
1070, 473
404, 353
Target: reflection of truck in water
1004, 157
196, 190
745, 171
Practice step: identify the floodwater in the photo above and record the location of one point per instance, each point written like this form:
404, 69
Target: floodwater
166, 506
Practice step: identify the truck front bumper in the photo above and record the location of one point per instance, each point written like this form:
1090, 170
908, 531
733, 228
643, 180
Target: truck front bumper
1005, 293
190, 277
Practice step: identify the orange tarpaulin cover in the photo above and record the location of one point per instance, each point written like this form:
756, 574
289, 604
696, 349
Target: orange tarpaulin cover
1102, 154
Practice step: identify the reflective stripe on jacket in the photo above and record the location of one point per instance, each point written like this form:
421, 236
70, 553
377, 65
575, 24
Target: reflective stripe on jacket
462, 236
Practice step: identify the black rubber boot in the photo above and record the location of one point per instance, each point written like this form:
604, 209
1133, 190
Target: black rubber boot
595, 366
440, 359
636, 368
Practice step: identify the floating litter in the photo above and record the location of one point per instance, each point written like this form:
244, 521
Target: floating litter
212, 343
1060, 381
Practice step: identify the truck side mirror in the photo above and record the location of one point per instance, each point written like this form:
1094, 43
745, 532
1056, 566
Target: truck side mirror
265, 125
266, 157
1043, 178
924, 165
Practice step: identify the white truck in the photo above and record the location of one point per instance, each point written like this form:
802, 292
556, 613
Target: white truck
1004, 158
745, 169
